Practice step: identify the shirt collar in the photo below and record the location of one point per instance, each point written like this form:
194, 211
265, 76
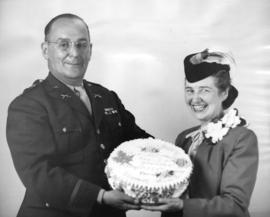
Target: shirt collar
73, 86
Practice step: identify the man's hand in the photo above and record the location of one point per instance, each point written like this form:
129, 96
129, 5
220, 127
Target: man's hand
120, 200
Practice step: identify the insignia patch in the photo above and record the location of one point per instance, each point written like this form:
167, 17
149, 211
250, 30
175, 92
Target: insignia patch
110, 111
97, 96
65, 96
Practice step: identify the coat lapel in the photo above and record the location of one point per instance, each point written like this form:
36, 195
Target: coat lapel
60, 91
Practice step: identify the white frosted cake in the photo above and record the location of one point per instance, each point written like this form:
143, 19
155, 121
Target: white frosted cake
148, 169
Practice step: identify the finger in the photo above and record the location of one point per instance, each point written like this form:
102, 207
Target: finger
129, 199
163, 200
136, 201
153, 208
128, 206
147, 207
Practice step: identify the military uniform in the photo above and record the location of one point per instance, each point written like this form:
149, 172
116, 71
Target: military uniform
60, 150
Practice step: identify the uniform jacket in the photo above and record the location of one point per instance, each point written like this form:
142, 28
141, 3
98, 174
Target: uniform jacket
223, 176
59, 150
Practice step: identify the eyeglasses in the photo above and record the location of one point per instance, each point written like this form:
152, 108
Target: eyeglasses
66, 44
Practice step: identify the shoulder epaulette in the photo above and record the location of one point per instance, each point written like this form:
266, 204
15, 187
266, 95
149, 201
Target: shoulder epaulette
35, 84
95, 85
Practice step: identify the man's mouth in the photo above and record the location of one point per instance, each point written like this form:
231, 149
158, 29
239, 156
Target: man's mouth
73, 63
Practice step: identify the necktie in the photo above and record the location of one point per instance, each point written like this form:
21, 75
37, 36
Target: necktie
81, 93
197, 137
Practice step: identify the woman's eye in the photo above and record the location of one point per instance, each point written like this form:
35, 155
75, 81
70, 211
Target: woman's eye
205, 91
189, 91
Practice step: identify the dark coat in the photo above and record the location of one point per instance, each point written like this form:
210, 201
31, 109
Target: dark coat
59, 150
223, 177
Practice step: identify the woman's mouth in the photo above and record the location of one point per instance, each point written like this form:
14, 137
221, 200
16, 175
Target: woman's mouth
198, 108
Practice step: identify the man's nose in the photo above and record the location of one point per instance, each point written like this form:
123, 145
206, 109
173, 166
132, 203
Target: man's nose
73, 49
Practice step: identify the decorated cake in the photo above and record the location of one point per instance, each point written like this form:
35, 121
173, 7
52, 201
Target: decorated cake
149, 169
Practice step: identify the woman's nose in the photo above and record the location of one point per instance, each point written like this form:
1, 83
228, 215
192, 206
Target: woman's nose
196, 98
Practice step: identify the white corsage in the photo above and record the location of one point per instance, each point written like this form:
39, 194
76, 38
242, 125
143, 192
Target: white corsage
217, 130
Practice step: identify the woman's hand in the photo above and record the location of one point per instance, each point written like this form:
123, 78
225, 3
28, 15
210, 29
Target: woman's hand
165, 205
120, 200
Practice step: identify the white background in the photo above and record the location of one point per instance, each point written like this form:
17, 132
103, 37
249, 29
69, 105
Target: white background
139, 46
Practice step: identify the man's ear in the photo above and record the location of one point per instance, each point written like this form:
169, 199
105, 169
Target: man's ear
44, 49
90, 51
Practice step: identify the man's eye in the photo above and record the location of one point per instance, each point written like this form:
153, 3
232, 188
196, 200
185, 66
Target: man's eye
63, 45
82, 44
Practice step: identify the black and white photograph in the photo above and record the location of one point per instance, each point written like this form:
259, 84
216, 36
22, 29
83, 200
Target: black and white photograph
135, 108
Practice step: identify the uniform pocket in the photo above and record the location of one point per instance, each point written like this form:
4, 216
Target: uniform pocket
113, 121
68, 138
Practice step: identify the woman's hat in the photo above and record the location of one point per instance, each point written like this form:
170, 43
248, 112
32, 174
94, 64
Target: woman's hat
203, 64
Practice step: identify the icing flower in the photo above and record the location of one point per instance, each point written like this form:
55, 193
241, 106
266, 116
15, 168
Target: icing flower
122, 157
217, 130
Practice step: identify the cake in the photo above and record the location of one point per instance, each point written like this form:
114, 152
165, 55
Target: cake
149, 169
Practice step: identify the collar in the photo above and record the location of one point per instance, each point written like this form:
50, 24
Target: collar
74, 86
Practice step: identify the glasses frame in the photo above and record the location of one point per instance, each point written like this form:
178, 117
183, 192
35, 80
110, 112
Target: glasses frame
70, 44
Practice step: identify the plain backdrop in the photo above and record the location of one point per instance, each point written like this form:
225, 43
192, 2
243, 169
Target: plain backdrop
138, 51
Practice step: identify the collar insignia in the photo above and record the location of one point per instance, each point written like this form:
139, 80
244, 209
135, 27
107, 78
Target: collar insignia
97, 96
65, 96
110, 111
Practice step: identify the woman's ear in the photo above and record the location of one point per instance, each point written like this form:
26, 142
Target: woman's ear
44, 49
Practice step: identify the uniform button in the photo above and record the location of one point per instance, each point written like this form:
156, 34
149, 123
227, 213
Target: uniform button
47, 204
105, 161
64, 129
119, 124
102, 146
98, 131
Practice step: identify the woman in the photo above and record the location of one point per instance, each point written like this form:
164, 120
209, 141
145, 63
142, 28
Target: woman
223, 150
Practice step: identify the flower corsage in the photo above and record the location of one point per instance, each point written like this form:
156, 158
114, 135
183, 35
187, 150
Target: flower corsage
218, 129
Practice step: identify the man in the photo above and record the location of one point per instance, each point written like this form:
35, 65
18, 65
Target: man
61, 131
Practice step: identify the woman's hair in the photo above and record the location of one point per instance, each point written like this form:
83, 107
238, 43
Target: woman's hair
223, 82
